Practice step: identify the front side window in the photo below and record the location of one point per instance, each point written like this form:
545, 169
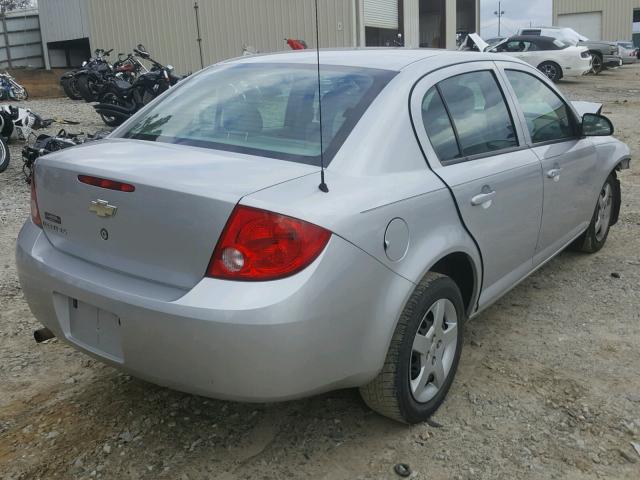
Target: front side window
269, 110
479, 113
548, 117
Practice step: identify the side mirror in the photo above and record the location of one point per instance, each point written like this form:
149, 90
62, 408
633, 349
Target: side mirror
594, 125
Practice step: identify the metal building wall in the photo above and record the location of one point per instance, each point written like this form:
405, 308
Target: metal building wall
617, 15
20, 40
63, 19
168, 27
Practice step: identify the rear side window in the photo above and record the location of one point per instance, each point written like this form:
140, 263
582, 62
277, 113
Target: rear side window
548, 117
264, 109
479, 113
438, 126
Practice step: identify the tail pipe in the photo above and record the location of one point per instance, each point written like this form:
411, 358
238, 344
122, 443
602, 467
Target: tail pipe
42, 335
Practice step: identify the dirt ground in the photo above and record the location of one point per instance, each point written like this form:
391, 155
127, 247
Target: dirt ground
548, 385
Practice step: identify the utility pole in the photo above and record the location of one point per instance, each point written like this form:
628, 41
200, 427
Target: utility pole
499, 14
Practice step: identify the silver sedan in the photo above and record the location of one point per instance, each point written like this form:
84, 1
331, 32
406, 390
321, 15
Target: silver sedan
197, 248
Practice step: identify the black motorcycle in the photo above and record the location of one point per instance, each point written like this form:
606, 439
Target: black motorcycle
76, 84
121, 99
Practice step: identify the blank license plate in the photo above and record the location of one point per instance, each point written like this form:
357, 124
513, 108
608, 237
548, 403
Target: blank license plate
97, 329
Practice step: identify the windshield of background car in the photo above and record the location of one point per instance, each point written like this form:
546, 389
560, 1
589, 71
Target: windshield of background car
269, 110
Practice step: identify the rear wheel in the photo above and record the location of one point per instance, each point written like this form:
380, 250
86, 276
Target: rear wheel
552, 70
423, 356
596, 235
5, 156
597, 63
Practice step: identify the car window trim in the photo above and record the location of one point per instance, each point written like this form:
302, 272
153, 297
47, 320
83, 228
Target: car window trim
574, 120
479, 156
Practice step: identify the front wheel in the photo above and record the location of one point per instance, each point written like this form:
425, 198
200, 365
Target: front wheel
111, 120
423, 356
5, 156
551, 70
596, 235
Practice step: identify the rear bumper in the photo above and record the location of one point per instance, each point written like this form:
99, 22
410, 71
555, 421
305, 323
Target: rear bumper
612, 61
577, 68
327, 327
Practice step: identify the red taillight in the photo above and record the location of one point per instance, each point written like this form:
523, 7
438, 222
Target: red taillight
261, 245
35, 212
106, 183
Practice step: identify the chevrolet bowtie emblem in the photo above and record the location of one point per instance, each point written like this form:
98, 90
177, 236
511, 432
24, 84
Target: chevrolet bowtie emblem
102, 208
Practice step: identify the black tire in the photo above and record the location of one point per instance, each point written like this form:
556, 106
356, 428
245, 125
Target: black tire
552, 70
84, 87
597, 63
390, 393
594, 238
5, 155
70, 87
111, 99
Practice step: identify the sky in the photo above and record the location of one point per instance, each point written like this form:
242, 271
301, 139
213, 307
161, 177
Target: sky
518, 13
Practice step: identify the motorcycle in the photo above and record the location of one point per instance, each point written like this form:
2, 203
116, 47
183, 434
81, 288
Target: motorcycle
122, 99
45, 144
10, 89
76, 83
17, 124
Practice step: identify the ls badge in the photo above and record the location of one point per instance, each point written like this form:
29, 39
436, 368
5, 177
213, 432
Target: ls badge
102, 208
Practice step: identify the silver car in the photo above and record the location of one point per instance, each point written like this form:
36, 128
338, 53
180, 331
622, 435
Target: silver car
197, 248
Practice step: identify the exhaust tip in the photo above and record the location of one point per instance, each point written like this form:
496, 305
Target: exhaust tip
42, 335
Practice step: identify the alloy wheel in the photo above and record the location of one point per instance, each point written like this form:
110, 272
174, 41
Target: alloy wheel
603, 215
550, 71
596, 64
433, 351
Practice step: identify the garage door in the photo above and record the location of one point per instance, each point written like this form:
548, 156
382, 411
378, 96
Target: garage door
381, 14
587, 24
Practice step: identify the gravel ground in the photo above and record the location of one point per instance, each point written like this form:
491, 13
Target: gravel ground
548, 385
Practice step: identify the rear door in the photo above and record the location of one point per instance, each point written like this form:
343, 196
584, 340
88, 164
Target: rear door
464, 123
568, 161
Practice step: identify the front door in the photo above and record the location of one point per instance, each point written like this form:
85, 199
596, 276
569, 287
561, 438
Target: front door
464, 123
568, 162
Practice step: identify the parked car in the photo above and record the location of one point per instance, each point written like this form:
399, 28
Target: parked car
494, 40
605, 54
628, 52
552, 57
195, 248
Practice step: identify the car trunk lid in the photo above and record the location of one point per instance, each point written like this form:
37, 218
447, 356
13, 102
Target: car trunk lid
166, 229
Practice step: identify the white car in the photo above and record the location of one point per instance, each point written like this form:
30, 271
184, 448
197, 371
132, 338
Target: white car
556, 59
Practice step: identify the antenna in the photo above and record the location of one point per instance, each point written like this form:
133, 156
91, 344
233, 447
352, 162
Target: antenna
323, 186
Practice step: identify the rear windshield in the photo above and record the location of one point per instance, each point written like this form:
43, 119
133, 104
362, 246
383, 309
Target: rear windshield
269, 110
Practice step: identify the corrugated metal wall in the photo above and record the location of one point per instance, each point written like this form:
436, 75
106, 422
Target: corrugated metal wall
20, 41
63, 19
617, 15
168, 27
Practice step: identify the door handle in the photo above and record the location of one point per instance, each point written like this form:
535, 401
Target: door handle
483, 198
554, 173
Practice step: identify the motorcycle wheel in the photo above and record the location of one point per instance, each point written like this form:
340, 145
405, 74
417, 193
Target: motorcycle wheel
5, 155
70, 88
112, 99
84, 88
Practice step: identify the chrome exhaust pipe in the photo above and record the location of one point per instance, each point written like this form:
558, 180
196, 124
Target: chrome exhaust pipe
42, 335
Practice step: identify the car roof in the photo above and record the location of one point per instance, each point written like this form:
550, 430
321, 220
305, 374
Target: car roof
385, 58
530, 38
